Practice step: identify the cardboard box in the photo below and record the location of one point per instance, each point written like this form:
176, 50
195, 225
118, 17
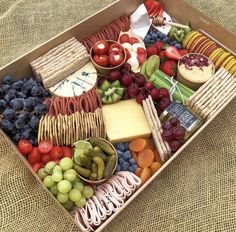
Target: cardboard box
179, 10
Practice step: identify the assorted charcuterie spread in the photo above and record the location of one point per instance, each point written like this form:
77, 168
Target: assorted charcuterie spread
100, 117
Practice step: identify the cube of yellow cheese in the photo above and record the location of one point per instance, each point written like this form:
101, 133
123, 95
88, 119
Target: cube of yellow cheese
125, 121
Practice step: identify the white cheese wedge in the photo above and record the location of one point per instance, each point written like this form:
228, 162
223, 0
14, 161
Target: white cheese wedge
81, 81
125, 121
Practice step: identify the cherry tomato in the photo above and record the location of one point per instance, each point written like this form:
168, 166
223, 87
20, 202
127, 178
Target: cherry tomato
133, 40
57, 161
115, 47
124, 38
46, 158
34, 156
56, 153
37, 166
101, 47
101, 60
128, 55
25, 147
67, 152
45, 146
116, 58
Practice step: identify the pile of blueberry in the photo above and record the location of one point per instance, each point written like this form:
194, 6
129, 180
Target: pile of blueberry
125, 161
21, 105
154, 36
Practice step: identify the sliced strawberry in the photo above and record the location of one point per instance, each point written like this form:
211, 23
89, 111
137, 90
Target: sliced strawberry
141, 51
141, 58
124, 38
128, 55
133, 40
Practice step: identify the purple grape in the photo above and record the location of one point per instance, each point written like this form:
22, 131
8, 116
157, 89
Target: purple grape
167, 125
9, 114
175, 145
167, 135
179, 133
41, 109
17, 85
174, 121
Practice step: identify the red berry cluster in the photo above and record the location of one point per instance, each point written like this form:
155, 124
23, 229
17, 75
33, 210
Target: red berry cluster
173, 133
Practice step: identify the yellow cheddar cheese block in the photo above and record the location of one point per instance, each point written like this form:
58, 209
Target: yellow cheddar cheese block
125, 121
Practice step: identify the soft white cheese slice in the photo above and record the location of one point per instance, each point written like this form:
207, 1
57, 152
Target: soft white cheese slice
81, 81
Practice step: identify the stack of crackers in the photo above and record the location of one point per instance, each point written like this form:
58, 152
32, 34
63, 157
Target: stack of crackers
64, 130
195, 41
60, 62
210, 97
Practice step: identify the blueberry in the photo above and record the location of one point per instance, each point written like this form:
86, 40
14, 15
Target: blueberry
131, 169
178, 46
8, 80
20, 122
17, 85
148, 37
118, 168
174, 42
9, 114
153, 36
162, 36
119, 153
147, 41
132, 161
127, 156
126, 146
125, 166
6, 125
135, 166
17, 104
5, 88
152, 41
166, 40
120, 146
121, 160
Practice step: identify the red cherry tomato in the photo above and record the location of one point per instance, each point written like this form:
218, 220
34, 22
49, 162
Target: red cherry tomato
115, 58
67, 152
128, 55
115, 47
56, 153
124, 38
101, 47
133, 40
37, 166
101, 60
34, 156
46, 158
45, 146
25, 147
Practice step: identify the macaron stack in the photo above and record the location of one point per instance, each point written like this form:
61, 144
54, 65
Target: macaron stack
195, 41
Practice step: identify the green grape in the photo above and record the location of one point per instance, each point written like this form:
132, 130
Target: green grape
88, 192
41, 173
78, 185
57, 168
49, 167
69, 205
57, 176
70, 175
66, 163
81, 202
62, 197
74, 195
54, 189
64, 186
48, 181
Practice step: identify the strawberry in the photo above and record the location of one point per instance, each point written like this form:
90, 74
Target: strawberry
172, 53
141, 51
162, 56
124, 38
152, 50
159, 45
141, 58
133, 40
183, 52
169, 67
128, 55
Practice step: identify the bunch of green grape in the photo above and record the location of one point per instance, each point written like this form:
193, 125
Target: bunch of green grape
63, 182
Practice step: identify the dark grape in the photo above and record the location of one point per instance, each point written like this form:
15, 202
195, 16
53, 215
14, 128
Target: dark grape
174, 121
26, 115
17, 104
179, 133
9, 114
28, 104
1, 92
3, 105
20, 122
14, 131
34, 122
167, 135
21, 95
8, 80
41, 109
175, 145
167, 126
17, 137
6, 125
34, 141
17, 85
35, 91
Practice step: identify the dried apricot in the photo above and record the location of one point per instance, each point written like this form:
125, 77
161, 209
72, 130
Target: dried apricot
137, 145
145, 158
145, 175
138, 171
155, 167
157, 157
149, 144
